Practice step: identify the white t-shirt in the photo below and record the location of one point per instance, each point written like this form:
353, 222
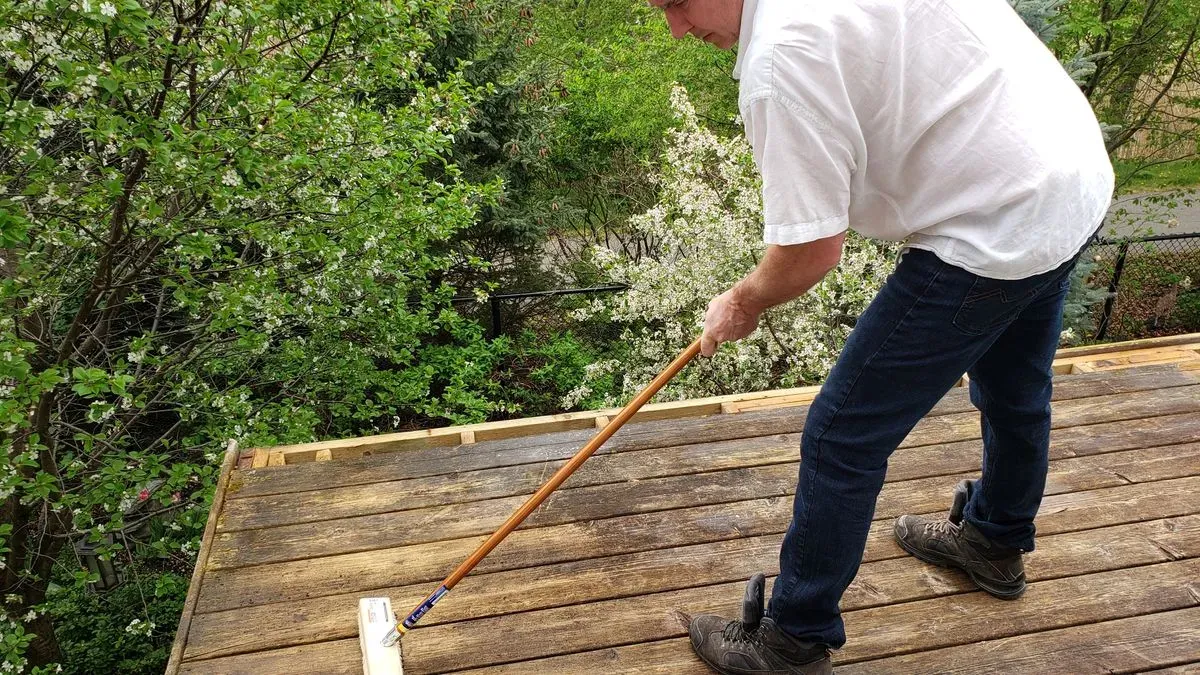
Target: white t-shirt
946, 123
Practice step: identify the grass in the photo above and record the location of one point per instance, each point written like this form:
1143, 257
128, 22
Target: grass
1184, 173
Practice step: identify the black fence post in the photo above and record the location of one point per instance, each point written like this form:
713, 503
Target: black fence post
496, 320
1113, 285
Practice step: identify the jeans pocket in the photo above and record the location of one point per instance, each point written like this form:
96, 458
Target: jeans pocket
992, 303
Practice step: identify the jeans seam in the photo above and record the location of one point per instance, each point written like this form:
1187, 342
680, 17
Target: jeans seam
837, 409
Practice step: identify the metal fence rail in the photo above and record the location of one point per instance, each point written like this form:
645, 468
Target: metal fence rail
541, 311
1153, 288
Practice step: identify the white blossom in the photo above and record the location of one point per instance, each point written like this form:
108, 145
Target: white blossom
108, 9
708, 232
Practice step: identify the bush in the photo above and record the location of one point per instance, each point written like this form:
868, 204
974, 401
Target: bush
129, 629
213, 226
708, 225
539, 372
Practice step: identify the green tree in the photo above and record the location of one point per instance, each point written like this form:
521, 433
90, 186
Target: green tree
508, 141
1146, 84
212, 227
618, 61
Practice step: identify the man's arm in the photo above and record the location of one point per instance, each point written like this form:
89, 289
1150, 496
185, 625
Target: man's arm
785, 273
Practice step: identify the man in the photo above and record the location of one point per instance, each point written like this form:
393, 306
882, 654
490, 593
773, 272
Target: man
948, 125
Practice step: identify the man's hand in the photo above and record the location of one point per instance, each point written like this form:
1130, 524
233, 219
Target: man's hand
784, 273
728, 319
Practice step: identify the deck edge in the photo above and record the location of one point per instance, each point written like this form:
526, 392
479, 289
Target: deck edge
210, 527
1068, 361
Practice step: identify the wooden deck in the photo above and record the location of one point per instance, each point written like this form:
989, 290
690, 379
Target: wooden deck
673, 515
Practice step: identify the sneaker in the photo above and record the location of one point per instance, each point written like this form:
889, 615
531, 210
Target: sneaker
755, 645
953, 542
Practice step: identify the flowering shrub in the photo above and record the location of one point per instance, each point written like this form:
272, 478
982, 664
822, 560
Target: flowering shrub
217, 220
708, 225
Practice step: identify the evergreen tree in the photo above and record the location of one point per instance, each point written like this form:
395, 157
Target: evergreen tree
1044, 18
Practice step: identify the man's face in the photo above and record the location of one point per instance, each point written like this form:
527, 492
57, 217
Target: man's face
717, 22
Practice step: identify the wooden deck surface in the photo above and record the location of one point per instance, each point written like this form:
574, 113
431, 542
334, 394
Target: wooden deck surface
670, 519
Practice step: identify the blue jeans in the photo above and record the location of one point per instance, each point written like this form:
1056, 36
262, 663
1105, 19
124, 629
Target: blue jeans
930, 323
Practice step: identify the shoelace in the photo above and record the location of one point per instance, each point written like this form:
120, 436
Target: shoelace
942, 527
735, 631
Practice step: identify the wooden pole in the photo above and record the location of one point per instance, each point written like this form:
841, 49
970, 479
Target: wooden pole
543, 492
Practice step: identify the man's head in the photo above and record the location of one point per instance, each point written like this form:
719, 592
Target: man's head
717, 22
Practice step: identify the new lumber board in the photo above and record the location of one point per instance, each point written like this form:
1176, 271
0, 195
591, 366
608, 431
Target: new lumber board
635, 436
1128, 345
878, 582
425, 563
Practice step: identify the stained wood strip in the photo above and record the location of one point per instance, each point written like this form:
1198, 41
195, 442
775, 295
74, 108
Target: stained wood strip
439, 523
1128, 645
425, 563
947, 428
879, 582
872, 633
313, 539
1134, 644
640, 436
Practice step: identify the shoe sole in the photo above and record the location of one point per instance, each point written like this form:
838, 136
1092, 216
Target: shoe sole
1001, 592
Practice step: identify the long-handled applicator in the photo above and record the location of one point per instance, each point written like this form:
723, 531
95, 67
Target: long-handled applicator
393, 636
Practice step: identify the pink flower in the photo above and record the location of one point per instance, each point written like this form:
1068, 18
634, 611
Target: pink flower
143, 495
176, 497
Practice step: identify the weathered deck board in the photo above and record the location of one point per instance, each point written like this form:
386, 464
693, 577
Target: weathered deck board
339, 657
1132, 645
878, 583
575, 541
642, 436
1120, 646
224, 633
520, 480
306, 540
872, 633
674, 514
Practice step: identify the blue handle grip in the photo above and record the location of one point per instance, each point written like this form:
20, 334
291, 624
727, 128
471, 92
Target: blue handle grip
424, 607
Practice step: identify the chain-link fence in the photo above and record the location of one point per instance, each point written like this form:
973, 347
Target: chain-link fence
1153, 285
